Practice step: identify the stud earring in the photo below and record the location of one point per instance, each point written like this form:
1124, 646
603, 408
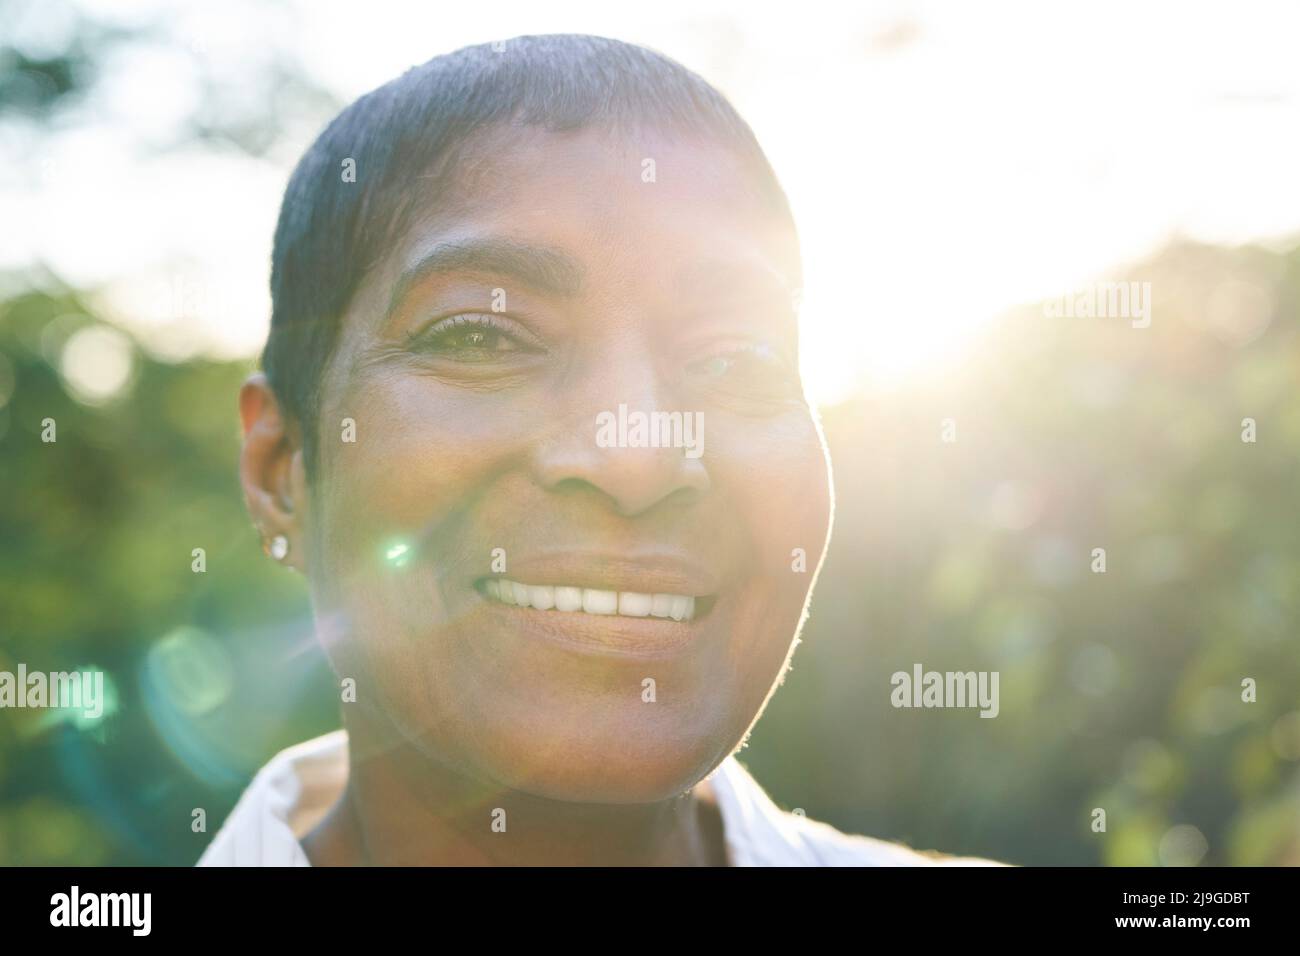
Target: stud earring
279, 547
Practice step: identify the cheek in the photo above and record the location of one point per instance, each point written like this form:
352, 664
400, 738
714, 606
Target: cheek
778, 481
778, 478
391, 508
422, 458
395, 510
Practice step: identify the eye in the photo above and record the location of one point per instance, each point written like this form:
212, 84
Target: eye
713, 367
472, 337
751, 369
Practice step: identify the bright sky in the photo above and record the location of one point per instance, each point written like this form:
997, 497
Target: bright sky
945, 160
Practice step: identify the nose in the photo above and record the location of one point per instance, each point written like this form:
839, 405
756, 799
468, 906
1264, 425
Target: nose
634, 451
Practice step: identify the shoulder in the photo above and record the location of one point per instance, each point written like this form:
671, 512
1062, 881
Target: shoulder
283, 801
832, 847
759, 833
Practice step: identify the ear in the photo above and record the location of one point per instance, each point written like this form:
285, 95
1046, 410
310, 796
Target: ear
271, 470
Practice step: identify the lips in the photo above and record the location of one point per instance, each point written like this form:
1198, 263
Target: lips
572, 598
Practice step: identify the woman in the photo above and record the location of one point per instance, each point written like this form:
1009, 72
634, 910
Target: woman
532, 428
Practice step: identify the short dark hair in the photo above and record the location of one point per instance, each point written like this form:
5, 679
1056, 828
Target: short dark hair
331, 232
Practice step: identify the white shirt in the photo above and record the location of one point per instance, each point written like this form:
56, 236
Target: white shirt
295, 790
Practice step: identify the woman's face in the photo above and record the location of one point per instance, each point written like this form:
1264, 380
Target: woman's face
559, 280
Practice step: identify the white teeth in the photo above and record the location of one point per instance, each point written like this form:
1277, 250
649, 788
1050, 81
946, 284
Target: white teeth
599, 602
633, 604
568, 599
679, 607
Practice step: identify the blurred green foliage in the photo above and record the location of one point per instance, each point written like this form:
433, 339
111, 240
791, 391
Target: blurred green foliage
97, 529
1119, 691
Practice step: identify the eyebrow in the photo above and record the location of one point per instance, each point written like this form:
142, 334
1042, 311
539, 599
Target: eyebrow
720, 274
541, 268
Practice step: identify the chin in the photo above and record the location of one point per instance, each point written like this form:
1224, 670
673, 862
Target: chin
621, 775
602, 759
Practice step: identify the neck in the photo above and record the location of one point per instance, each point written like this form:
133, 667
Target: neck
401, 808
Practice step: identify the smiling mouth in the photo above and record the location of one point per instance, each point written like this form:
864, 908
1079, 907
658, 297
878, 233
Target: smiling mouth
594, 601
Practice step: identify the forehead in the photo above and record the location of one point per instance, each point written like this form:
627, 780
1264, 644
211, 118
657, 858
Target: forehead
609, 201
